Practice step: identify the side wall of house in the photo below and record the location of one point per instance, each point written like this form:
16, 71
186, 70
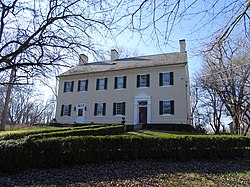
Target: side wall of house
179, 93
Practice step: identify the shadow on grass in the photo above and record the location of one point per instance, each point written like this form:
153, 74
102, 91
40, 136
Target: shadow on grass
113, 171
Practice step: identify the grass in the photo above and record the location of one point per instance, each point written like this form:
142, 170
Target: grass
189, 176
29, 130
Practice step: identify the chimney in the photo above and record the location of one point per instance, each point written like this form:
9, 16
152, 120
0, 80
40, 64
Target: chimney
114, 55
182, 45
83, 59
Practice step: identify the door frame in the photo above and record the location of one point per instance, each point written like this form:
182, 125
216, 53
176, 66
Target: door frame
137, 99
84, 109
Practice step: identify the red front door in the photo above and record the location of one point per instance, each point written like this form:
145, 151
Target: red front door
143, 115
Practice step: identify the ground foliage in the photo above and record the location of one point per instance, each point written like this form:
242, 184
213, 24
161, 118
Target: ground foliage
232, 172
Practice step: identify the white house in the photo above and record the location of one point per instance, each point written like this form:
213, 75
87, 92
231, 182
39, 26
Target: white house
151, 89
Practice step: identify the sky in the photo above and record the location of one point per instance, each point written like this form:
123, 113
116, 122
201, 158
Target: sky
194, 28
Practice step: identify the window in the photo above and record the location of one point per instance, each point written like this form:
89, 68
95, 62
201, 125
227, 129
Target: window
82, 85
66, 110
101, 84
166, 79
143, 80
120, 82
68, 86
100, 109
119, 108
167, 107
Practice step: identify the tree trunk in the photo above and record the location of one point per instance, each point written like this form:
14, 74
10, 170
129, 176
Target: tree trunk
7, 101
236, 125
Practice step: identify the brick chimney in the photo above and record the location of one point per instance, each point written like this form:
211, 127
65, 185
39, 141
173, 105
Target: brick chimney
114, 54
83, 59
182, 45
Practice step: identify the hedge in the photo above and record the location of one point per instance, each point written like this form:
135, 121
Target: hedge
170, 127
20, 135
107, 130
54, 152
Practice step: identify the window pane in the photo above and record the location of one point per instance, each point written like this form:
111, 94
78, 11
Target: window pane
99, 109
68, 86
119, 82
166, 107
82, 85
101, 84
143, 81
119, 107
166, 79
65, 110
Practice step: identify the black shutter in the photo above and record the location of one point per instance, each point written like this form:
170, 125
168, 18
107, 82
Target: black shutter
86, 85
95, 110
123, 108
72, 86
124, 82
161, 108
171, 78
114, 108
161, 79
69, 110
64, 89
148, 80
138, 81
97, 84
78, 87
105, 83
115, 86
104, 109
172, 107
62, 109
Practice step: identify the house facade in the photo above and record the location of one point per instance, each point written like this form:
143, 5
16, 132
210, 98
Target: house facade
150, 89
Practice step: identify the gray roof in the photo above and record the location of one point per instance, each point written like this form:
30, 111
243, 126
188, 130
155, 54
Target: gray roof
128, 63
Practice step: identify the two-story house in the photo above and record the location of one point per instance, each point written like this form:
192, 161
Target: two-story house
145, 89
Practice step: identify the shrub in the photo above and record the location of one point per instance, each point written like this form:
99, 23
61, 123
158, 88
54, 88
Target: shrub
40, 132
101, 131
129, 128
53, 152
170, 127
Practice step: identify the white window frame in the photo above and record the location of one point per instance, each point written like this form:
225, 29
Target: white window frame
102, 86
68, 86
166, 83
99, 110
120, 82
169, 108
82, 88
119, 108
166, 108
143, 81
65, 111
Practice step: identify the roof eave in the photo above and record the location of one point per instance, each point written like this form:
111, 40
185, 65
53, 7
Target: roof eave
75, 74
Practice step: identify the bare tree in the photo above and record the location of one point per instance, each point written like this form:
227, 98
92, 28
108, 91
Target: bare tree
38, 36
27, 106
228, 73
212, 108
158, 18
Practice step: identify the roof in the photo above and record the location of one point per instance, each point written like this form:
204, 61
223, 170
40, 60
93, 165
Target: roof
128, 63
